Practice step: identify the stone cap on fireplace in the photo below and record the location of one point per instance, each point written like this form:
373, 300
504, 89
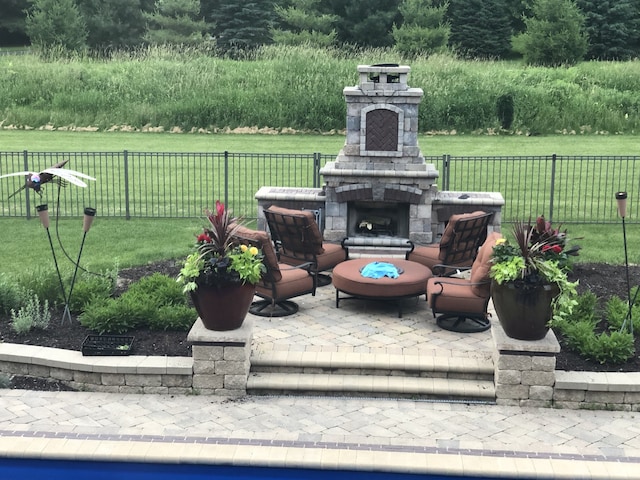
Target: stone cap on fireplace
383, 77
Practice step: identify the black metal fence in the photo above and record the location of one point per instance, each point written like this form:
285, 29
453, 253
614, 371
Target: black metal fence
567, 189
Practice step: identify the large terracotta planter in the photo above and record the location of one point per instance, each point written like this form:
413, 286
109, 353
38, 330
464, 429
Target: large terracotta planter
223, 308
524, 314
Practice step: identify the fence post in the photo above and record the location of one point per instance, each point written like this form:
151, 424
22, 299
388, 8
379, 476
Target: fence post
27, 197
226, 177
316, 170
446, 173
126, 185
552, 188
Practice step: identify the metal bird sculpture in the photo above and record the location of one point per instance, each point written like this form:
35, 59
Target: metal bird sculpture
55, 173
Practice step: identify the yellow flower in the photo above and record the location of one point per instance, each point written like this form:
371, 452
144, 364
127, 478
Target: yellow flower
253, 251
500, 241
243, 248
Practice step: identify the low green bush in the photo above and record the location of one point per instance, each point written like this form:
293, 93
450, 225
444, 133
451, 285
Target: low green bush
43, 282
156, 302
12, 296
579, 331
115, 315
158, 288
173, 317
88, 288
32, 315
617, 311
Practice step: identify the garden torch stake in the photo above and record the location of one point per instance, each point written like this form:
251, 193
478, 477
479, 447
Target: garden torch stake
89, 214
621, 198
43, 214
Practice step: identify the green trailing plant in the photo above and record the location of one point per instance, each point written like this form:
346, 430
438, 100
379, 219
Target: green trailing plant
32, 315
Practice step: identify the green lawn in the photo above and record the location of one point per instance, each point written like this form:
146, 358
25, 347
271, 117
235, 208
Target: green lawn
25, 244
481, 145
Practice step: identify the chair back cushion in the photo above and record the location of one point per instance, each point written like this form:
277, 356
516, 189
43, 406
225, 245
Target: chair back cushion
297, 229
261, 240
480, 270
449, 234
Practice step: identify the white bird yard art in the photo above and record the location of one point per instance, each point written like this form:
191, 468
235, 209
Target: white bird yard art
56, 173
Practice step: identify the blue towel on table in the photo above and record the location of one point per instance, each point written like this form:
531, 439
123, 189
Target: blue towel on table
379, 270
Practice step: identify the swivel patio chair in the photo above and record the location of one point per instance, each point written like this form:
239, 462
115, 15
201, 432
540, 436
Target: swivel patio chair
458, 245
280, 282
298, 240
462, 302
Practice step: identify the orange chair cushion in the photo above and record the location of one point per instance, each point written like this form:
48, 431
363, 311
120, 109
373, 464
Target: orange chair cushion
447, 235
262, 239
292, 283
333, 254
311, 234
482, 265
453, 295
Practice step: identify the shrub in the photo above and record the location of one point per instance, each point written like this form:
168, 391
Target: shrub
12, 296
31, 316
155, 301
116, 315
579, 331
173, 317
617, 311
159, 289
89, 288
44, 283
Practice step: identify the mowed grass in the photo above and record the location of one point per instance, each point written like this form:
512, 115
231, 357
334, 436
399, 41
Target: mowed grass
138, 241
468, 145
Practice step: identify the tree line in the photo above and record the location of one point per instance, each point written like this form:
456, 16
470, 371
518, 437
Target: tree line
542, 32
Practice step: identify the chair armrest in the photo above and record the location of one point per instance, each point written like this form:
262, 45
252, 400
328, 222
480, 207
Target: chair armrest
444, 282
308, 266
453, 268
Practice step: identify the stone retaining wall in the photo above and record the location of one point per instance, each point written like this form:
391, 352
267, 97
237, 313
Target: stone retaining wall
524, 373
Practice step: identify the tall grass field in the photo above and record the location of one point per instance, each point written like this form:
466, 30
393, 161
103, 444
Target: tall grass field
301, 88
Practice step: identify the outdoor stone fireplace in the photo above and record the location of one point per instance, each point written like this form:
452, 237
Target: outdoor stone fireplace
380, 191
380, 185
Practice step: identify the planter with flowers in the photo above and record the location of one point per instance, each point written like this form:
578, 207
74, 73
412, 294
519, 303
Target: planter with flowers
220, 275
529, 283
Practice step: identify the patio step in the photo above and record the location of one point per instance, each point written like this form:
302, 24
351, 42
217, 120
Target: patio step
354, 374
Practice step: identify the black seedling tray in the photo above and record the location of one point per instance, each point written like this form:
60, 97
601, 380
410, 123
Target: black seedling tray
113, 345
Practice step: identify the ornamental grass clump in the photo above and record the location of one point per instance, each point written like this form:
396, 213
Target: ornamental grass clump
218, 261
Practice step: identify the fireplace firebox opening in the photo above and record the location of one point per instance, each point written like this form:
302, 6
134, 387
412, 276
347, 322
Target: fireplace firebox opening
378, 219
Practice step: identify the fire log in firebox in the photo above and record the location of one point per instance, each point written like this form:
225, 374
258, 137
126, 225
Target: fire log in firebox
376, 225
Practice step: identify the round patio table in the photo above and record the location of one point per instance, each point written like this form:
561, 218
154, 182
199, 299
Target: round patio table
411, 282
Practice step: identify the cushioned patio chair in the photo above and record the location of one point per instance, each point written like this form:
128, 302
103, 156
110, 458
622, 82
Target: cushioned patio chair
298, 240
458, 245
462, 302
280, 282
